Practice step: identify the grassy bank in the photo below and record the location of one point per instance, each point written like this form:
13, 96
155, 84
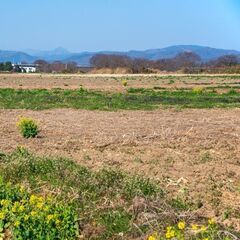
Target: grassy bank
55, 197
134, 99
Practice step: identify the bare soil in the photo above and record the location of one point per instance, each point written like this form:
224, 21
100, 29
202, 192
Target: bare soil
195, 153
113, 82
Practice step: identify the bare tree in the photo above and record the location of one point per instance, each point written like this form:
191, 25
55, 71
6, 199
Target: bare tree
110, 61
58, 66
225, 61
43, 66
183, 61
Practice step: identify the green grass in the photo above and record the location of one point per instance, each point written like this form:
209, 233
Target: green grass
103, 197
108, 203
134, 99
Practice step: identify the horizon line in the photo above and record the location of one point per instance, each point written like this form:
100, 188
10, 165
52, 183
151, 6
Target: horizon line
129, 50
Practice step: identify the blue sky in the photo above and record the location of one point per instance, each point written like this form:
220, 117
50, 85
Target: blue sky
90, 25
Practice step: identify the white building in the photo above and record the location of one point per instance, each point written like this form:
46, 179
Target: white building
28, 68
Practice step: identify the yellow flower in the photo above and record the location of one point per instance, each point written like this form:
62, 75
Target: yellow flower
206, 239
33, 199
170, 233
203, 228
58, 222
21, 208
5, 202
2, 215
40, 205
14, 209
181, 225
194, 227
22, 189
16, 224
169, 228
17, 207
211, 221
40, 199
46, 208
50, 217
33, 213
26, 217
152, 238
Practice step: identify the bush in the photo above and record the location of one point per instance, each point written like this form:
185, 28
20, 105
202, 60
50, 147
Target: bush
28, 127
27, 216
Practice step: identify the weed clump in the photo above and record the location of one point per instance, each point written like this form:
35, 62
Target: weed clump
28, 127
185, 231
232, 92
198, 90
124, 83
29, 216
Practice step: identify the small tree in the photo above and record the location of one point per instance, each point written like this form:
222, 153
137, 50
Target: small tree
8, 67
1, 66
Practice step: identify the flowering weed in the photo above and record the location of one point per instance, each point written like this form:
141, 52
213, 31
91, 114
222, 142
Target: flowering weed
26, 216
28, 127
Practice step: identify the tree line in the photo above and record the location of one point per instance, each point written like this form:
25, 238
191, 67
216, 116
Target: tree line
6, 67
57, 66
187, 62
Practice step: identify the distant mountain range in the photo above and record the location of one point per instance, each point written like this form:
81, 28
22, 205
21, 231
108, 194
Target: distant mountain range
61, 54
15, 57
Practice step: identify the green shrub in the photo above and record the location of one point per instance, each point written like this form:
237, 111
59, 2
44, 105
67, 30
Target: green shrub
28, 127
